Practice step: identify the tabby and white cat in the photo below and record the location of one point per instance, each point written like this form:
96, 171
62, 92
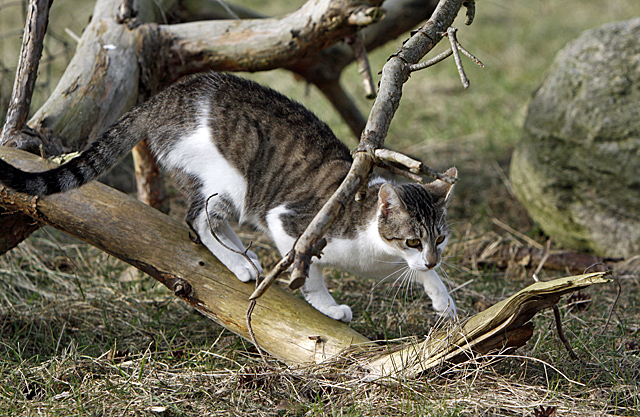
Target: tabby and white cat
271, 163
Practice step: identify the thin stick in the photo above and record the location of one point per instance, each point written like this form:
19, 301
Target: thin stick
563, 338
612, 307
271, 277
469, 55
30, 53
556, 310
451, 34
438, 58
517, 234
364, 69
413, 165
252, 304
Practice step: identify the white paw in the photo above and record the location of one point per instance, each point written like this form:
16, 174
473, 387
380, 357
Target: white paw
255, 260
246, 272
338, 312
445, 306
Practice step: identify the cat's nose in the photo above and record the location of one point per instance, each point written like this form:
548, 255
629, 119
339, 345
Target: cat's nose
430, 265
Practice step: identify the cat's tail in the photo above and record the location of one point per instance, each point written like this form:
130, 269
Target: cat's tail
98, 158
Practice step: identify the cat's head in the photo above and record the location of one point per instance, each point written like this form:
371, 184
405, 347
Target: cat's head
412, 220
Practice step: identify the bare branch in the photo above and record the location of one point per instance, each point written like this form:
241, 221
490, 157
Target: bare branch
260, 44
32, 43
394, 74
438, 58
364, 69
451, 34
414, 166
470, 55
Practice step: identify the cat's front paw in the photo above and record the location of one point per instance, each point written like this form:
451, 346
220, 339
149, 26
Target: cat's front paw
338, 312
445, 307
245, 272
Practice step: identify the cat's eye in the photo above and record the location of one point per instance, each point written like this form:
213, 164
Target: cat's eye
440, 239
413, 243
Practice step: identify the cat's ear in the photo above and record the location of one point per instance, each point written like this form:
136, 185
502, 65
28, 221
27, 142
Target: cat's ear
440, 189
389, 200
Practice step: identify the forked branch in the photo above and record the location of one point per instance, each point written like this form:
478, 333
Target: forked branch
394, 74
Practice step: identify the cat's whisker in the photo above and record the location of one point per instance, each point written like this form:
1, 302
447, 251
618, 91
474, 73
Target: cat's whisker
387, 277
401, 279
448, 265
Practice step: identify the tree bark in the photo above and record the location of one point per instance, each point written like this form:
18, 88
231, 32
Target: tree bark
30, 53
148, 178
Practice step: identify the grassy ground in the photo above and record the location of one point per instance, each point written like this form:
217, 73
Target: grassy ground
83, 334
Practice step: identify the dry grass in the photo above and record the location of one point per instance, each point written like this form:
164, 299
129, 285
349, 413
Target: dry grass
83, 334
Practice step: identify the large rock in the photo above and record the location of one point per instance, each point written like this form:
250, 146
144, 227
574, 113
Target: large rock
577, 167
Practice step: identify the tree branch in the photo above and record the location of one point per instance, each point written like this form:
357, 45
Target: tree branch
30, 53
260, 44
15, 227
394, 74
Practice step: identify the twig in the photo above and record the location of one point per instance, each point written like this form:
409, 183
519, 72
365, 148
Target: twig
398, 171
444, 55
252, 304
469, 55
412, 165
438, 58
364, 69
563, 338
547, 252
517, 234
30, 53
271, 277
612, 307
451, 34
556, 310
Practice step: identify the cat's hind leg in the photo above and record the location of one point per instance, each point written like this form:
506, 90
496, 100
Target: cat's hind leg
225, 245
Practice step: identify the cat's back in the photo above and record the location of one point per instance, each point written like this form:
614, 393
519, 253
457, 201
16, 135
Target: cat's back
283, 150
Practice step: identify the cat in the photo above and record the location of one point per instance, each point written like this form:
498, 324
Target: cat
269, 162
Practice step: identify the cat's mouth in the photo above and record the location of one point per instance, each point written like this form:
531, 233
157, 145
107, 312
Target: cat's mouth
421, 266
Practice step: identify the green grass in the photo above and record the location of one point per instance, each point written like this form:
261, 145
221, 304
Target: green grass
83, 334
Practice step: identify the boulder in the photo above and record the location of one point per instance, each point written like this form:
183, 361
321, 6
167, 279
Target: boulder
577, 166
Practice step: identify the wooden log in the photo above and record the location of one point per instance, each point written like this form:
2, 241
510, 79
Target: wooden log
285, 326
